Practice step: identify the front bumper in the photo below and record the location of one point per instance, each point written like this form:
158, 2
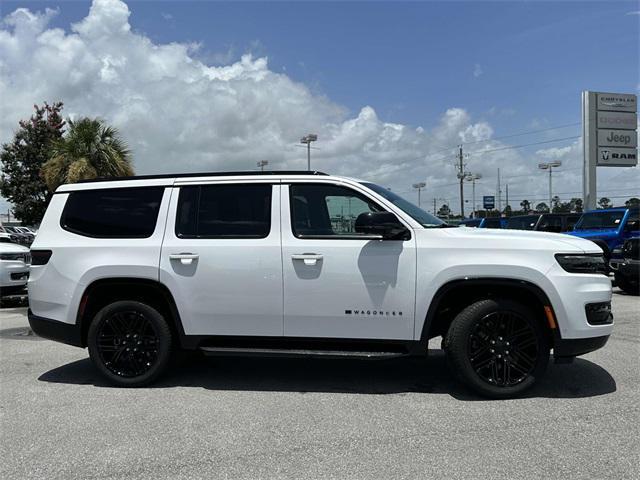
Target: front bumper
573, 347
70, 334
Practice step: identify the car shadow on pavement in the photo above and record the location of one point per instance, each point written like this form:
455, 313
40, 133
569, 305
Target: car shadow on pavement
403, 375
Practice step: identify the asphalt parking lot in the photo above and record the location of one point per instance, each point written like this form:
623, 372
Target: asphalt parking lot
292, 418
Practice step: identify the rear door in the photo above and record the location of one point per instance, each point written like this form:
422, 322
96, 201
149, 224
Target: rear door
221, 258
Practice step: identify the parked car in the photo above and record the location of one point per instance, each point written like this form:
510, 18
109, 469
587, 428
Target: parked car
627, 273
487, 222
12, 237
23, 238
26, 230
14, 268
608, 228
251, 263
545, 222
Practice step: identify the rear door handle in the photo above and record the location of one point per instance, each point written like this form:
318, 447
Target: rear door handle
185, 258
307, 258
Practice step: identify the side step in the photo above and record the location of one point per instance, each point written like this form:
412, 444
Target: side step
285, 352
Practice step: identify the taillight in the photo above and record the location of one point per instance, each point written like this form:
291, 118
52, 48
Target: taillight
40, 257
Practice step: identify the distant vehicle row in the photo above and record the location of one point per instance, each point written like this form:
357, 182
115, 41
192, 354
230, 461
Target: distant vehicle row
608, 228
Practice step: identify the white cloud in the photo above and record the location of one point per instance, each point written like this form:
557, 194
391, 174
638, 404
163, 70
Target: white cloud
180, 112
636, 12
477, 70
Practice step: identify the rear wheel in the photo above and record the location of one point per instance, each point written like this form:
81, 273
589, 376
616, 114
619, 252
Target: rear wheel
130, 343
497, 347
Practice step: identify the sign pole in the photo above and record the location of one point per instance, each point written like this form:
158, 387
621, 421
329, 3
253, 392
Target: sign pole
589, 149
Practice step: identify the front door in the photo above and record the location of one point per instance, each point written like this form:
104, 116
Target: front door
335, 283
221, 258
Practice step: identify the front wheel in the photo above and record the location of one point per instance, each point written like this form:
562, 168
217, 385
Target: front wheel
497, 347
130, 343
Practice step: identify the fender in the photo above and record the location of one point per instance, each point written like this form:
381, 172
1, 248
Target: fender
478, 282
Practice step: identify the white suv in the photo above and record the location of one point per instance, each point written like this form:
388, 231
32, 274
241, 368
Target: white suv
303, 263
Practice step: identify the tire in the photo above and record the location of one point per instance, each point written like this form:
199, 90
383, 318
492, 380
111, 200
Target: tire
129, 343
509, 366
625, 286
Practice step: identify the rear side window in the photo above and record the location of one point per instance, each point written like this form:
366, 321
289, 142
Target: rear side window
113, 212
224, 211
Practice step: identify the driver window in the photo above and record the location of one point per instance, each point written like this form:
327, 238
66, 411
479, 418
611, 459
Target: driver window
327, 210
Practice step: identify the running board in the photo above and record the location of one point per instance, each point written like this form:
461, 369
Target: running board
286, 352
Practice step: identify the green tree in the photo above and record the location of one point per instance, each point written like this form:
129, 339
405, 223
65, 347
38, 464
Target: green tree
526, 206
576, 205
542, 207
604, 202
444, 211
22, 159
632, 202
89, 149
508, 211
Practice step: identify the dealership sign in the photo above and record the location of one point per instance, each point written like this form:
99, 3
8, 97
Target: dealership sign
617, 157
617, 102
620, 120
609, 135
488, 202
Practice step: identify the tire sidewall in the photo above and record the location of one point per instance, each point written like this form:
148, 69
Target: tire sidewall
457, 347
160, 327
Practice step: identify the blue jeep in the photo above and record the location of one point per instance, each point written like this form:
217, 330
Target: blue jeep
487, 222
608, 228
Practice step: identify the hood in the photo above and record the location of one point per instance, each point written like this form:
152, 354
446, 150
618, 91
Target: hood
602, 233
12, 248
523, 240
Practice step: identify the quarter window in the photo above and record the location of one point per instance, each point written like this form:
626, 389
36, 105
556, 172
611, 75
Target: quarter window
224, 211
326, 210
113, 212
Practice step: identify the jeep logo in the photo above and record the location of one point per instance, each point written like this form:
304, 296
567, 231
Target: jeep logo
618, 138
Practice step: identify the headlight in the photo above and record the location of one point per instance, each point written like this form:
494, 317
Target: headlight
582, 263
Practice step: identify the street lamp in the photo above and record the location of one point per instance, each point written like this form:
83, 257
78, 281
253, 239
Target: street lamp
262, 164
419, 186
312, 137
472, 177
550, 166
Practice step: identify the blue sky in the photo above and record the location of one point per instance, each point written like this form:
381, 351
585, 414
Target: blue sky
413, 60
363, 75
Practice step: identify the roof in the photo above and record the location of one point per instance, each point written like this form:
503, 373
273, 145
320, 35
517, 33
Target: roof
204, 174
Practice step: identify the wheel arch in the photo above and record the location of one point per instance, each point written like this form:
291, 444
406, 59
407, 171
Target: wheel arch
107, 290
447, 303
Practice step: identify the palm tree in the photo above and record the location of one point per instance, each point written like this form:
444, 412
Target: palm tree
89, 149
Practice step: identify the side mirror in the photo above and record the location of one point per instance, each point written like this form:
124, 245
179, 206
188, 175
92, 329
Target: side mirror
385, 224
632, 226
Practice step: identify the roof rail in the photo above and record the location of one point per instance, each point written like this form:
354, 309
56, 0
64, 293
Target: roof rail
204, 174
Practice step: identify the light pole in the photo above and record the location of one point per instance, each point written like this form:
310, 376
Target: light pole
312, 137
262, 164
550, 166
419, 186
472, 177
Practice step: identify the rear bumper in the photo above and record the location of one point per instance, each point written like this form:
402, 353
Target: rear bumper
573, 347
55, 330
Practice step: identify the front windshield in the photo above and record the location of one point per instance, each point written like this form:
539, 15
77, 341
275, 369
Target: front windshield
527, 222
419, 215
599, 220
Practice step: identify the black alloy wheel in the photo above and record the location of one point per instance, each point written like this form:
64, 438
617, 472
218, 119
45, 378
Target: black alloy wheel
130, 343
497, 347
503, 348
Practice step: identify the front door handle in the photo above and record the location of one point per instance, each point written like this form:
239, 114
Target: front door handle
185, 258
307, 258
